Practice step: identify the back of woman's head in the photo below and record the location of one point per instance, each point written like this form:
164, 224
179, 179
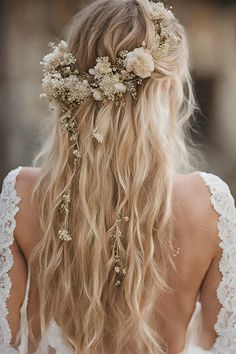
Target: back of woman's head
129, 174
108, 27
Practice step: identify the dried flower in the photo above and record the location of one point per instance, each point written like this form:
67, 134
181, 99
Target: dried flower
64, 235
77, 153
67, 87
103, 66
97, 136
97, 95
140, 61
117, 269
159, 12
120, 87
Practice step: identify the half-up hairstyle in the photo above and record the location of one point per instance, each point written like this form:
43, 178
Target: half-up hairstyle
131, 173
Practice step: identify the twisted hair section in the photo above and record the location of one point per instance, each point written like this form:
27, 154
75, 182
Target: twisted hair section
130, 173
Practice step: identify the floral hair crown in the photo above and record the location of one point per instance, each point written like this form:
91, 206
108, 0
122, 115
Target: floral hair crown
66, 87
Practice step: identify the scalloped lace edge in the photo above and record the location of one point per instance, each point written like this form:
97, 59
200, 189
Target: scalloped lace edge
11, 199
223, 203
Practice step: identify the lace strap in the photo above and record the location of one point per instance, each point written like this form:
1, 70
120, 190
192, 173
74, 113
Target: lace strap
8, 209
223, 203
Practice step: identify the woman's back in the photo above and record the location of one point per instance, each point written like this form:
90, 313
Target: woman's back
197, 261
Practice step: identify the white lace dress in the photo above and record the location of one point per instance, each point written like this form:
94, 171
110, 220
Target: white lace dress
53, 342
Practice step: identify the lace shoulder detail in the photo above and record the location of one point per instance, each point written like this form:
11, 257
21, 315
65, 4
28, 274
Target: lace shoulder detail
9, 201
224, 205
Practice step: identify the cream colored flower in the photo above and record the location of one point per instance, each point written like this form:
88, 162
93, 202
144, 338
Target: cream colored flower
62, 46
97, 136
58, 57
76, 90
111, 85
92, 71
158, 11
120, 87
102, 67
140, 61
97, 95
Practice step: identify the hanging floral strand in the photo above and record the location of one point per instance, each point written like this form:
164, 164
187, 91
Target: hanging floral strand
116, 246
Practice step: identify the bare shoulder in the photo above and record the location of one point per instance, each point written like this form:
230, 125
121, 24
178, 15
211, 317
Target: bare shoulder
25, 183
193, 194
193, 210
26, 218
26, 179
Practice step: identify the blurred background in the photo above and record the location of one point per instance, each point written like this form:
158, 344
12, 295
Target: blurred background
27, 26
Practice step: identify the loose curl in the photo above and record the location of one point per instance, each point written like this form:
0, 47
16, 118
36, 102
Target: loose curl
132, 172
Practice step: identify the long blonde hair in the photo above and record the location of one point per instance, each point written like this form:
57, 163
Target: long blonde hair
131, 173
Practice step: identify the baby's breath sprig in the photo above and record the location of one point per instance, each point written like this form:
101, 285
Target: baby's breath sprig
97, 135
65, 205
118, 251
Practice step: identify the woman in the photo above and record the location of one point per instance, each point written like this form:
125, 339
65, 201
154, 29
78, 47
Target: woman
110, 246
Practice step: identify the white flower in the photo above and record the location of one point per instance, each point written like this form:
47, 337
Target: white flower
97, 95
92, 71
62, 46
76, 90
103, 67
66, 90
140, 61
58, 57
52, 85
120, 87
97, 136
159, 12
110, 85
64, 235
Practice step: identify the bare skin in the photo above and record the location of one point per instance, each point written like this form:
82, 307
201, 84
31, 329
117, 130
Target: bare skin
197, 264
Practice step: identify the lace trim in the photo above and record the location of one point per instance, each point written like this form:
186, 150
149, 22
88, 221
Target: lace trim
56, 340
224, 205
53, 340
8, 209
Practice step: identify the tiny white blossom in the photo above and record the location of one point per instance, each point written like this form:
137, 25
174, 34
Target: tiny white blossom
97, 95
62, 45
97, 136
92, 71
77, 91
140, 61
159, 12
103, 66
64, 235
120, 87
77, 153
108, 84
58, 57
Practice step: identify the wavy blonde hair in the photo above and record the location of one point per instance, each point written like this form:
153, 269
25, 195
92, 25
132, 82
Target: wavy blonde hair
132, 173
